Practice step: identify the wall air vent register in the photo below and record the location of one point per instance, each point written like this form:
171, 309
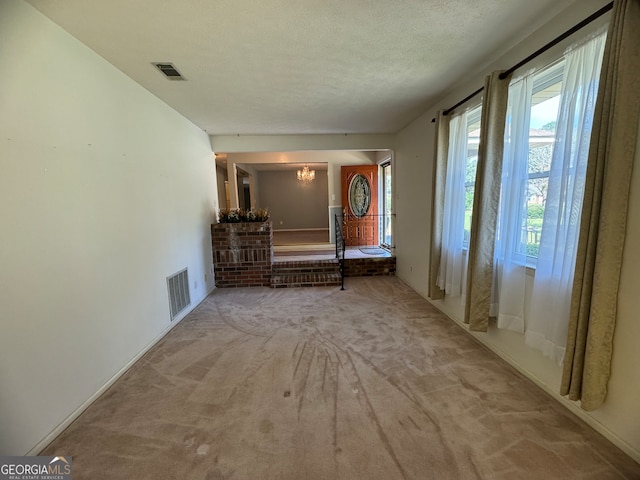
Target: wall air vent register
179, 296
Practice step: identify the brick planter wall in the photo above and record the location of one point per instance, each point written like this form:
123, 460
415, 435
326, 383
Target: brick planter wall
242, 254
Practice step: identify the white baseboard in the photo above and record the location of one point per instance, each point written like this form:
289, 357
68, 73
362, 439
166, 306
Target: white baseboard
51, 436
570, 405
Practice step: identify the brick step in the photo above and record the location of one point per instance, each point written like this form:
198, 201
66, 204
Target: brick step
305, 266
306, 280
366, 267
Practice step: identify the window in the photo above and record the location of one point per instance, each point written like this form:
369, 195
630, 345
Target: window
540, 190
471, 164
546, 145
545, 103
530, 137
386, 227
462, 159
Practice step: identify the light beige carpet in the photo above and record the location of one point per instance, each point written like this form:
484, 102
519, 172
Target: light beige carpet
317, 383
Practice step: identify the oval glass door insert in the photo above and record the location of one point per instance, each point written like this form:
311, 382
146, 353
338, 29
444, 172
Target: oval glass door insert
359, 195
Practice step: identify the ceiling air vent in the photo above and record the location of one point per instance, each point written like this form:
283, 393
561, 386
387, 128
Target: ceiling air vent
169, 70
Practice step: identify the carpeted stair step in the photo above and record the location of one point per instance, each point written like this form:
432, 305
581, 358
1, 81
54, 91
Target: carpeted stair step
306, 273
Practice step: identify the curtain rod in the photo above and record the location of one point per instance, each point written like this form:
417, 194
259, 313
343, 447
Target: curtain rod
538, 52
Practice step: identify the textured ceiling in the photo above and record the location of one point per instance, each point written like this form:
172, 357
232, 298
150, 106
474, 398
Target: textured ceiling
304, 66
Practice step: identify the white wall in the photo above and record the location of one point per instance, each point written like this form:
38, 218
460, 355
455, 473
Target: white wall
104, 192
293, 204
619, 418
412, 195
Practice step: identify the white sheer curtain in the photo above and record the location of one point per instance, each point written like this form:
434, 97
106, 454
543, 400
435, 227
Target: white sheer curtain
551, 297
510, 255
453, 263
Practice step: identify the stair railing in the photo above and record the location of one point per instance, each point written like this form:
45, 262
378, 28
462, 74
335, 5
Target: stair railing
340, 247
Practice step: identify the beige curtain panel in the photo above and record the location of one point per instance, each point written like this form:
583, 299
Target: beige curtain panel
587, 363
441, 152
485, 202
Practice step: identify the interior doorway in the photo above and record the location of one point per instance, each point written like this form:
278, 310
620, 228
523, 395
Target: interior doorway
244, 189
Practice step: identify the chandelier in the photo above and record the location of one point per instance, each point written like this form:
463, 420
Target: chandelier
306, 175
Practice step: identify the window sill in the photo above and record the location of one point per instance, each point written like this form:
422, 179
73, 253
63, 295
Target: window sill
529, 266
